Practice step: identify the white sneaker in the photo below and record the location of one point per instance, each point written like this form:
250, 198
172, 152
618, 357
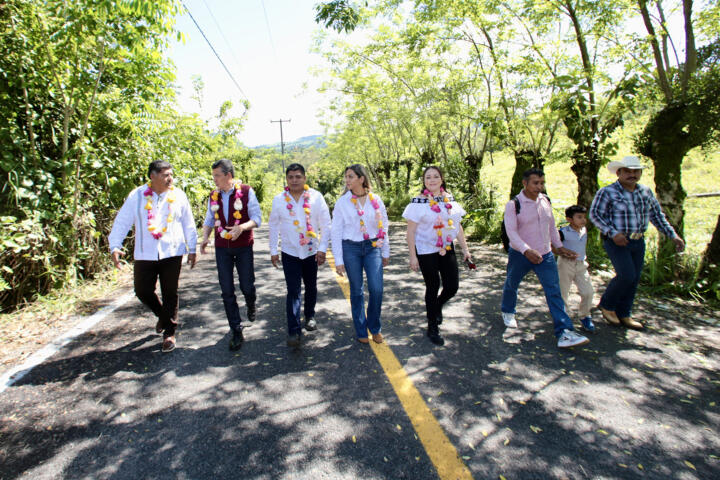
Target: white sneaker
509, 319
571, 339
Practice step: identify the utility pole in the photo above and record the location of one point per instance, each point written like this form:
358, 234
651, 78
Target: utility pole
282, 142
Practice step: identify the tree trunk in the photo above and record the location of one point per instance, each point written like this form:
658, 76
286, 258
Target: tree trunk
711, 257
586, 164
474, 163
666, 143
524, 160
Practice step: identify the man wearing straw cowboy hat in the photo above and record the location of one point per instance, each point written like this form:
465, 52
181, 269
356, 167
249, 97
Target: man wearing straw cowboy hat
621, 212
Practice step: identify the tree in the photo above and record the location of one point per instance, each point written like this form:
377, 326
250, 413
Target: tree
689, 115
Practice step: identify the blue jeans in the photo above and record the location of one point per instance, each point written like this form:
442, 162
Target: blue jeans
518, 266
297, 270
359, 256
240, 259
628, 263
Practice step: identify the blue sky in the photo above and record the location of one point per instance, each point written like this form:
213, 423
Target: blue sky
271, 73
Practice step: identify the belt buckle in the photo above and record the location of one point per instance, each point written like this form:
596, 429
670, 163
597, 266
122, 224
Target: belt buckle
635, 236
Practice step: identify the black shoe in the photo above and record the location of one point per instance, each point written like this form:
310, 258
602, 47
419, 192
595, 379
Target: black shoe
237, 340
436, 339
251, 312
310, 324
293, 340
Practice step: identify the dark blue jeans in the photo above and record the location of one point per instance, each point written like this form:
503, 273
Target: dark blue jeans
297, 270
518, 266
359, 256
628, 262
240, 259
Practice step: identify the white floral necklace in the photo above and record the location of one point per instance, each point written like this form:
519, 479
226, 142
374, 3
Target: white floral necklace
152, 226
444, 241
215, 206
309, 232
378, 217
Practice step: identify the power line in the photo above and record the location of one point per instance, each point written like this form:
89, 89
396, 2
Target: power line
215, 52
267, 24
227, 43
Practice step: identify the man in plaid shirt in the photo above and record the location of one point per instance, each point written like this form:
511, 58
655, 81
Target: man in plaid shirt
621, 212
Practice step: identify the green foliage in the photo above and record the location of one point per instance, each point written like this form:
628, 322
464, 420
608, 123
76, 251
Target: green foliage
339, 15
86, 102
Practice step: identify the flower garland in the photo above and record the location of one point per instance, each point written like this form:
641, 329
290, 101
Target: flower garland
439, 225
378, 216
309, 232
152, 227
215, 206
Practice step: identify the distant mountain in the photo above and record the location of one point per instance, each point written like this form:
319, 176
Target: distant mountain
299, 144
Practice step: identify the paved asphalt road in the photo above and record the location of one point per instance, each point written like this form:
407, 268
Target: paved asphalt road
111, 405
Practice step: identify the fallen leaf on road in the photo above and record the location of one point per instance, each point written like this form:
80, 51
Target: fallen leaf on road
354, 439
535, 429
600, 430
640, 466
690, 465
507, 440
398, 427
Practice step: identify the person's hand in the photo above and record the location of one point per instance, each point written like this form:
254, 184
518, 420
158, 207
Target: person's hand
116, 258
567, 253
236, 231
620, 239
275, 259
679, 244
340, 270
386, 262
204, 245
414, 263
533, 256
192, 258
466, 256
320, 257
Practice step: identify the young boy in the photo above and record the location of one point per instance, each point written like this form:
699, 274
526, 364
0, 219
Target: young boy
574, 237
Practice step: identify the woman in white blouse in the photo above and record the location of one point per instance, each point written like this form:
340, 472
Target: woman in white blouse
433, 224
359, 242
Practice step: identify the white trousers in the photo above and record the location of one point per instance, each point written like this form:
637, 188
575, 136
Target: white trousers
573, 271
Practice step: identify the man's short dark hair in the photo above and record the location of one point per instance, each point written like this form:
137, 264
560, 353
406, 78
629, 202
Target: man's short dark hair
225, 166
158, 166
571, 211
293, 167
532, 171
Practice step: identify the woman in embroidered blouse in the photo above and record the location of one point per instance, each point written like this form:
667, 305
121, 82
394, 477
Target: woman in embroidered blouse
359, 242
433, 223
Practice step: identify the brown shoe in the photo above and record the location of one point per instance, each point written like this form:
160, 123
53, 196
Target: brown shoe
377, 337
364, 340
158, 327
630, 323
168, 344
609, 316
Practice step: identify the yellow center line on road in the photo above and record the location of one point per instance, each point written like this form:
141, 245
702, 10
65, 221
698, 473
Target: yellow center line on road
442, 453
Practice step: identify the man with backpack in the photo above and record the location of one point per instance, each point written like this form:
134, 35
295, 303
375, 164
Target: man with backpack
531, 230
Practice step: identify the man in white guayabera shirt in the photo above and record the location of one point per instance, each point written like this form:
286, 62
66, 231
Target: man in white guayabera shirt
300, 218
164, 232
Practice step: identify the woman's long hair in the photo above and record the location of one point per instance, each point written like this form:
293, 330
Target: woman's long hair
360, 171
442, 177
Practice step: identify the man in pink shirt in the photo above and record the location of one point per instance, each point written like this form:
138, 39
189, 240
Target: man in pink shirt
531, 232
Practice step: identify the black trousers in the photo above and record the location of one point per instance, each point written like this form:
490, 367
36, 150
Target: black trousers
146, 276
435, 269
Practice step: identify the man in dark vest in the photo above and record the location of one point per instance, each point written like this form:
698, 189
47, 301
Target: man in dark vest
233, 212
